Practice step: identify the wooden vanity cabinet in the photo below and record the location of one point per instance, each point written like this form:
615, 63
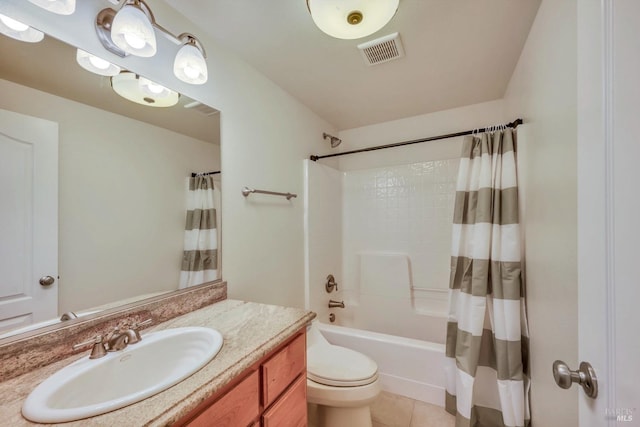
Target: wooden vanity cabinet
271, 393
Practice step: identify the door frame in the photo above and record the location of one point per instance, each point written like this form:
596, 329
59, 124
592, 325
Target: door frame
601, 268
594, 206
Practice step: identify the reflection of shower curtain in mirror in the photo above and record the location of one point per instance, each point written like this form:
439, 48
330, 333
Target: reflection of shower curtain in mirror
200, 258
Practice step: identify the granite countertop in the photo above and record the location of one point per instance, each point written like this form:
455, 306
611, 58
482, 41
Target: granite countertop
250, 331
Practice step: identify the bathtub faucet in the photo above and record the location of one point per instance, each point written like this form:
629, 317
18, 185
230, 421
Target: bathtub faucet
336, 304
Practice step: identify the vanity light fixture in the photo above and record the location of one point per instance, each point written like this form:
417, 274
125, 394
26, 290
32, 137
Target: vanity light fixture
190, 65
19, 31
61, 7
132, 31
143, 91
351, 19
96, 64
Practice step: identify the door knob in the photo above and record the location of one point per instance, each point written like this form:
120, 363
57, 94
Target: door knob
585, 376
47, 281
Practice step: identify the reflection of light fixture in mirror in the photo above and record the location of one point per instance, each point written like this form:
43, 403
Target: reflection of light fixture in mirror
351, 19
189, 64
19, 31
132, 29
95, 64
61, 7
143, 91
152, 88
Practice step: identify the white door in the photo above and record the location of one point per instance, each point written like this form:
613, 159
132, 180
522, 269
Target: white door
609, 208
28, 219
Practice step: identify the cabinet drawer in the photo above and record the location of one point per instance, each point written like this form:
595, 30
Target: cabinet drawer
280, 371
239, 407
291, 409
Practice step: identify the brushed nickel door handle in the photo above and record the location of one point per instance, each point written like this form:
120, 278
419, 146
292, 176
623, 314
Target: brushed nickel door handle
584, 376
47, 281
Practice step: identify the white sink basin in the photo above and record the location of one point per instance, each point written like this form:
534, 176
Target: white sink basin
92, 387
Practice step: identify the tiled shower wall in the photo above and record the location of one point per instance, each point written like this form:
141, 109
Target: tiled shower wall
402, 215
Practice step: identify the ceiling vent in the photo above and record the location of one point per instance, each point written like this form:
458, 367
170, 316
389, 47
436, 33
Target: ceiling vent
201, 108
382, 50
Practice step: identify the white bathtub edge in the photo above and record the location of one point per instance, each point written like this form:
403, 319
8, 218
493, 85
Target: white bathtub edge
376, 336
406, 367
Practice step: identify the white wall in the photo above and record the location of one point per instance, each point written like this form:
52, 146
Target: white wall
121, 198
265, 135
323, 234
543, 90
416, 127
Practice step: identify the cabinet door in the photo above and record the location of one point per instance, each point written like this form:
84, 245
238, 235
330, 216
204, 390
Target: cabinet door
291, 409
239, 407
280, 371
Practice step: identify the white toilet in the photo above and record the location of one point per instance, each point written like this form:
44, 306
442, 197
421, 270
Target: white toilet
342, 382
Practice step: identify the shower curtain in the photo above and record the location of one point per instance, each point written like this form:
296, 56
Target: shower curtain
487, 336
200, 257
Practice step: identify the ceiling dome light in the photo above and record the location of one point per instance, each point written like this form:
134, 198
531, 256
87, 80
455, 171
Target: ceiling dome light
351, 19
19, 31
61, 7
189, 64
129, 86
132, 30
95, 64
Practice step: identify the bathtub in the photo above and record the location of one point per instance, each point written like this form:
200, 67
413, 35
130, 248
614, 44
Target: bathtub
406, 366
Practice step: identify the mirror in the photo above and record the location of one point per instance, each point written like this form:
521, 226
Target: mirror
122, 176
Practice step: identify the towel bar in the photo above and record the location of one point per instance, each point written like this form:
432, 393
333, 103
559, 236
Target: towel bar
246, 191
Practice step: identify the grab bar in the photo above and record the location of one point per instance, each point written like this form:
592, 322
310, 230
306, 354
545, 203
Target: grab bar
246, 191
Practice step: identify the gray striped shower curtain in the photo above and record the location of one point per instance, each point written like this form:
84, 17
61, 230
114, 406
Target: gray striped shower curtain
487, 338
200, 257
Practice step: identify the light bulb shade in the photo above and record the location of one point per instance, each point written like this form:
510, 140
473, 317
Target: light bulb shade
19, 31
133, 32
61, 7
152, 88
190, 65
351, 19
96, 64
127, 85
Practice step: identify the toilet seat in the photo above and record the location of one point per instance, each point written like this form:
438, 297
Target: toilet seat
339, 367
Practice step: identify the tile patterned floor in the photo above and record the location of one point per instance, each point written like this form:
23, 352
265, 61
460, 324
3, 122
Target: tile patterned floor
392, 410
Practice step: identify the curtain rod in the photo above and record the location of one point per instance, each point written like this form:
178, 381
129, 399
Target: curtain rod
513, 124
193, 174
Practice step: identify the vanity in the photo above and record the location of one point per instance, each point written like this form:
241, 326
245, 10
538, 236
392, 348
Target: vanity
257, 379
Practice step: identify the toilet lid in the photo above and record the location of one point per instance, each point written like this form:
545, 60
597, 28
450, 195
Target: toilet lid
339, 366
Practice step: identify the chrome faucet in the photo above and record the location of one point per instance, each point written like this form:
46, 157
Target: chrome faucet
68, 316
114, 340
336, 304
117, 340
97, 351
133, 331
331, 284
